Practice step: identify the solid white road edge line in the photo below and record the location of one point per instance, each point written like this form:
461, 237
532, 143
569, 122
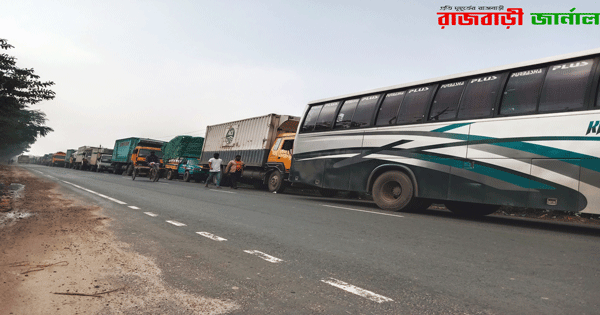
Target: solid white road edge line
391, 215
99, 194
227, 192
151, 214
264, 256
134, 207
212, 236
176, 223
358, 291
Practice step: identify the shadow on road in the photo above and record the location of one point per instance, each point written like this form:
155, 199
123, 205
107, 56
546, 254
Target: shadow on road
529, 223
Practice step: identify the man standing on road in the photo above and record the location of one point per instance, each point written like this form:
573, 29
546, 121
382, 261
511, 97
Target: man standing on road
235, 169
215, 170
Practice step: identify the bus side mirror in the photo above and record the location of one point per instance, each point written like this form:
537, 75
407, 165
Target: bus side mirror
288, 145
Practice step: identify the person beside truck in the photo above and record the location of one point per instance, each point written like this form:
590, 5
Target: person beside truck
234, 169
215, 170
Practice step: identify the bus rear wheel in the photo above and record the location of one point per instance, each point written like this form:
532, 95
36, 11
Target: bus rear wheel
467, 209
393, 190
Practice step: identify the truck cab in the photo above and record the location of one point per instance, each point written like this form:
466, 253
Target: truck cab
139, 154
58, 159
188, 168
279, 162
103, 163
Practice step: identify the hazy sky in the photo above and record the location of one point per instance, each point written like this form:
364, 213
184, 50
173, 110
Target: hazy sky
158, 69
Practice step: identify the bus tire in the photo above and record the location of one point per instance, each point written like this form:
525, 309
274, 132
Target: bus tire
170, 175
327, 192
275, 182
393, 190
186, 176
467, 209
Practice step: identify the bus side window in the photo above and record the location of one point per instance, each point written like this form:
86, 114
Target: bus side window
566, 85
479, 97
413, 107
326, 116
311, 118
445, 104
344, 117
388, 110
364, 111
522, 92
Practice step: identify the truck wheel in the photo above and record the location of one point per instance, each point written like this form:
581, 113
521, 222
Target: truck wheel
327, 192
393, 191
467, 209
186, 176
170, 175
275, 183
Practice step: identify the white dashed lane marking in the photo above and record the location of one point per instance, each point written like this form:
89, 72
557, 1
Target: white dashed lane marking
134, 207
176, 223
212, 236
95, 193
373, 212
264, 256
223, 191
356, 290
151, 214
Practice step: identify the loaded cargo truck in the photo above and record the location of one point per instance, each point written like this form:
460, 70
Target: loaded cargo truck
58, 159
264, 142
46, 159
23, 159
131, 152
181, 156
82, 157
69, 158
97, 155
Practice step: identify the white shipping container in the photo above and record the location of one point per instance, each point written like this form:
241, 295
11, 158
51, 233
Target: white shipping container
251, 138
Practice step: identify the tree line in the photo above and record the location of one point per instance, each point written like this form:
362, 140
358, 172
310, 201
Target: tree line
20, 88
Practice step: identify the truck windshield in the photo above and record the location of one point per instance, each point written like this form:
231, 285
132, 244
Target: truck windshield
59, 157
192, 162
105, 158
146, 152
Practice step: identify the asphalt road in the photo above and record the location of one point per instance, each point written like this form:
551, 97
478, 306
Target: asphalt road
295, 254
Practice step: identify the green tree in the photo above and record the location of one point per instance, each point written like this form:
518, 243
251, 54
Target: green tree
19, 89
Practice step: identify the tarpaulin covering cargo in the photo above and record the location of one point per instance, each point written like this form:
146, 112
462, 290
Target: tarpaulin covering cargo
183, 146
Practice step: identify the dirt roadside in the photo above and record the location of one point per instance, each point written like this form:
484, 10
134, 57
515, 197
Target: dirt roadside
57, 256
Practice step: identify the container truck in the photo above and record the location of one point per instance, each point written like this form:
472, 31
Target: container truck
97, 155
264, 142
131, 152
58, 159
181, 156
68, 158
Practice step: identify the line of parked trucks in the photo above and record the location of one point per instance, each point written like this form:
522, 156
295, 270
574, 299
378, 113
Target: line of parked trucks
264, 142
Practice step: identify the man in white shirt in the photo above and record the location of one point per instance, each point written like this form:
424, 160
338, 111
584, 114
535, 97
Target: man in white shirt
215, 170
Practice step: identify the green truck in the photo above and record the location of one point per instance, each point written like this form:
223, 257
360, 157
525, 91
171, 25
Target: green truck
181, 156
130, 152
70, 158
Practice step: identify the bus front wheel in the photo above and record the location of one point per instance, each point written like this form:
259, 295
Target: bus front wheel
467, 209
393, 190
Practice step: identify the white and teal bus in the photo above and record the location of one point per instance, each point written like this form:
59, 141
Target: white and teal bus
525, 135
